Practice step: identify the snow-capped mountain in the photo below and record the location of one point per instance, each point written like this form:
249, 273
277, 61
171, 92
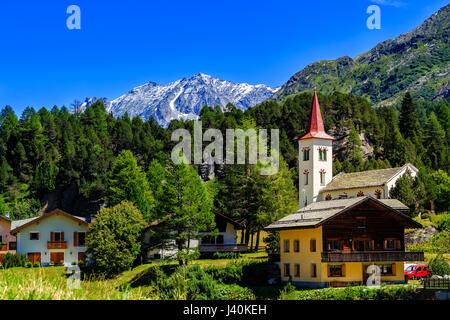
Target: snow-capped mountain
183, 99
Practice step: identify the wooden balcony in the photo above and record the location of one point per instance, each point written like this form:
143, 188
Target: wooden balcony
372, 256
206, 248
56, 244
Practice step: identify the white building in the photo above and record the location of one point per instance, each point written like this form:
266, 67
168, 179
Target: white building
55, 238
316, 181
224, 241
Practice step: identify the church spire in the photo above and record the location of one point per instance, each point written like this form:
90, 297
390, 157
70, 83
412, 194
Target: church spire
315, 128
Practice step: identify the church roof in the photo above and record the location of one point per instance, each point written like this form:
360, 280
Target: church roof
364, 179
315, 128
317, 213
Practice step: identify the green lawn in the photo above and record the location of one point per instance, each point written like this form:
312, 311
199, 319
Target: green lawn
50, 283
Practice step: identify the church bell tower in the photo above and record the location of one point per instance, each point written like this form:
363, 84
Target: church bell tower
315, 157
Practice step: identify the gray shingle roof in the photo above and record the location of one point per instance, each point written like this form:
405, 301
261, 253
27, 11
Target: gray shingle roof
370, 178
317, 212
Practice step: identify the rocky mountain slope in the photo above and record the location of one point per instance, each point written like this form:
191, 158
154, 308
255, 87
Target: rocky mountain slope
183, 99
417, 61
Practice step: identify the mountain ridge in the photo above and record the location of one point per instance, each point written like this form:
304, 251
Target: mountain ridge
184, 98
416, 61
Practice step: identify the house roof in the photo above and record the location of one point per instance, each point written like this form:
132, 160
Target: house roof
317, 213
228, 219
18, 225
370, 178
315, 128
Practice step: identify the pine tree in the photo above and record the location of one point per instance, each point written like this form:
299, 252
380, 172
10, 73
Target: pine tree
434, 136
409, 121
128, 182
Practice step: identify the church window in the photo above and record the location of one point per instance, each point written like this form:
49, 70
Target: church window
306, 173
378, 194
305, 154
322, 177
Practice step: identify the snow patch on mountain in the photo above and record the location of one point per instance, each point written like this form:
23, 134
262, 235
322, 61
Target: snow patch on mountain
183, 99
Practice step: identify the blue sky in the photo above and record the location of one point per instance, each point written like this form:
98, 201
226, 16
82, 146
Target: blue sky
123, 44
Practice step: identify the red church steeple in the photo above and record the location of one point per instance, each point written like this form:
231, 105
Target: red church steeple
315, 127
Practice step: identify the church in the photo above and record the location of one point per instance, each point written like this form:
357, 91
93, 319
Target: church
347, 230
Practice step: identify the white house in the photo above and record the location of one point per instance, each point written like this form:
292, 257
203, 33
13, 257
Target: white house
224, 241
54, 238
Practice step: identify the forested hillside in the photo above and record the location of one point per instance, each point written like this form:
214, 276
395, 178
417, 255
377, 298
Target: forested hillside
72, 160
417, 61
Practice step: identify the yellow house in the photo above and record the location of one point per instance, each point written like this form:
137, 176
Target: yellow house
347, 230
333, 243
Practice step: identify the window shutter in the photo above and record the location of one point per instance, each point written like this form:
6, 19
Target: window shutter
328, 268
62, 236
398, 245
52, 236
312, 245
30, 235
343, 270
393, 269
75, 239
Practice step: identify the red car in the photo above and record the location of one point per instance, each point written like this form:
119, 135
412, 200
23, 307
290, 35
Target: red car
417, 271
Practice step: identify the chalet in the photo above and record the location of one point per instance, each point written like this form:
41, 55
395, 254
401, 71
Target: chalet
345, 224
7, 240
224, 241
54, 238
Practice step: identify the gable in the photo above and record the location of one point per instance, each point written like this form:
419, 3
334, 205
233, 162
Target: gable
53, 219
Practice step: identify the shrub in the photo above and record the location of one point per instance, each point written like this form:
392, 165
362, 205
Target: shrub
74, 263
441, 221
240, 272
193, 283
439, 266
383, 292
226, 255
29, 265
14, 260
37, 264
114, 239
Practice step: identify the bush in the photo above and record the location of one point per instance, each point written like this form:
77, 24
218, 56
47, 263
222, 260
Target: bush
29, 265
384, 292
226, 255
74, 263
37, 264
439, 244
193, 283
14, 260
114, 239
439, 266
441, 221
240, 272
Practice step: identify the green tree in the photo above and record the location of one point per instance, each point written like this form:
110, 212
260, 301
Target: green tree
409, 191
434, 136
409, 121
184, 207
114, 238
128, 182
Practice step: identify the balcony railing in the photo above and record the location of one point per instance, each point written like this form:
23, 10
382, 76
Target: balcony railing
56, 244
371, 256
223, 248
